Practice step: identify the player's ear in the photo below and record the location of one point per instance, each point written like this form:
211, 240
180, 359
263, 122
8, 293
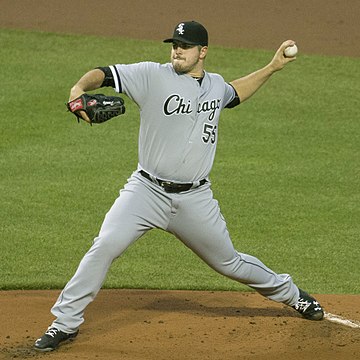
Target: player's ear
203, 52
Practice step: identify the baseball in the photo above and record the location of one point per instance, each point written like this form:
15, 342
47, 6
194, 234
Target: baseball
291, 51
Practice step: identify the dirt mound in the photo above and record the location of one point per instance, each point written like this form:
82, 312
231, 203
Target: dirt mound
179, 325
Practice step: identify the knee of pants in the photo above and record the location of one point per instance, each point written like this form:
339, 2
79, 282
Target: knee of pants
111, 244
228, 271
239, 269
229, 268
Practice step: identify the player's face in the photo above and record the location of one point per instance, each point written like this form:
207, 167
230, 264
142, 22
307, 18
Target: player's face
187, 58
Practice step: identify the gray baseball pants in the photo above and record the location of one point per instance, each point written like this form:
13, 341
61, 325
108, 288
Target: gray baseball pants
194, 217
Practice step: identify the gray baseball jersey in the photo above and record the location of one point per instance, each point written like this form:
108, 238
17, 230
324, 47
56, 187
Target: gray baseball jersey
179, 118
177, 143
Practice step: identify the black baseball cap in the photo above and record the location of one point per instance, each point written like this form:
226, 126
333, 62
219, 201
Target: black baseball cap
190, 32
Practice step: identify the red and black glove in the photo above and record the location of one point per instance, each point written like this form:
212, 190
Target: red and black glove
98, 107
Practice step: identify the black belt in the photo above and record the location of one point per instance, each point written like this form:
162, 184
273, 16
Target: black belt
170, 186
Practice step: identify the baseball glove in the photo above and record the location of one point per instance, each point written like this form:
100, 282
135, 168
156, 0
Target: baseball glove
98, 107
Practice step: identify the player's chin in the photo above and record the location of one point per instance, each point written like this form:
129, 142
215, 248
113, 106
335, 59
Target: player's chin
179, 66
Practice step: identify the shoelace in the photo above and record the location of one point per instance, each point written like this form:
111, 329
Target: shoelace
317, 306
302, 305
51, 332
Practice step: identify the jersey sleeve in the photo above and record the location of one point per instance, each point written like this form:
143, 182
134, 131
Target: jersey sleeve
231, 98
132, 79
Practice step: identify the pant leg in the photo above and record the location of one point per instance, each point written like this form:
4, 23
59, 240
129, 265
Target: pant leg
199, 224
135, 211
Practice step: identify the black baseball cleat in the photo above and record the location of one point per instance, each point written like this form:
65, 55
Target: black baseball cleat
52, 338
308, 307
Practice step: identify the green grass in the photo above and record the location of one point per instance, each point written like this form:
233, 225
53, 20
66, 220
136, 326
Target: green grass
287, 171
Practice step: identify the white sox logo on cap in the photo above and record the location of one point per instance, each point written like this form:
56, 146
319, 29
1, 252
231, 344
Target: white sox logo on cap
180, 28
189, 32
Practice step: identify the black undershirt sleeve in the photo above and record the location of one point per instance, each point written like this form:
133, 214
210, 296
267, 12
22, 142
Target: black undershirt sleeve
235, 101
109, 79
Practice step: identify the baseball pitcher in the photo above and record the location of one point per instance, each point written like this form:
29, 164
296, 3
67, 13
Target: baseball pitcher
180, 105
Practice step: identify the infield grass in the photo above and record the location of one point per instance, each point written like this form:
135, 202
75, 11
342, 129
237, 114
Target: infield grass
286, 174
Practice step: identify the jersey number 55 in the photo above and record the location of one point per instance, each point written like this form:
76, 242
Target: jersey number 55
209, 133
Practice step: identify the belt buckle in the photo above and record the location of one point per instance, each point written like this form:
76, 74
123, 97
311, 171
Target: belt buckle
170, 187
166, 183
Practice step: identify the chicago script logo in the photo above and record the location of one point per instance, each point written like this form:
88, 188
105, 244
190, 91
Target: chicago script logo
209, 106
176, 105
